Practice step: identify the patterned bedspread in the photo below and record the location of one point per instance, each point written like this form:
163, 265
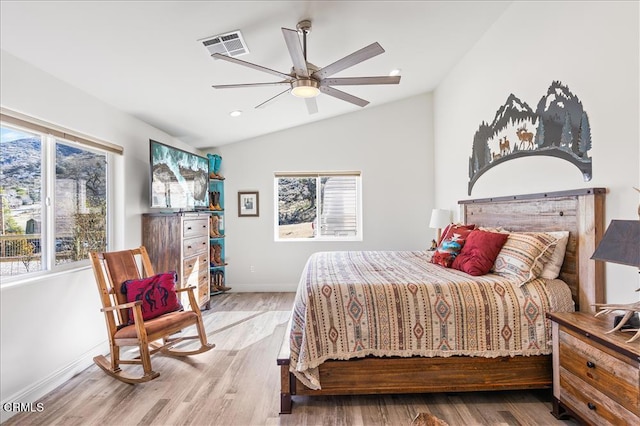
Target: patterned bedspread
396, 303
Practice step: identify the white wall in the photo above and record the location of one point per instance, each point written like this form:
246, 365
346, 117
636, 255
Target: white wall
51, 326
593, 47
392, 146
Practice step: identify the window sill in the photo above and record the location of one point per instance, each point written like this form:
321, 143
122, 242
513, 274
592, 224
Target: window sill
319, 240
36, 277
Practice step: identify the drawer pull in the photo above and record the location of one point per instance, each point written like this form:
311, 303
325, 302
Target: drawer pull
591, 405
188, 228
590, 364
188, 247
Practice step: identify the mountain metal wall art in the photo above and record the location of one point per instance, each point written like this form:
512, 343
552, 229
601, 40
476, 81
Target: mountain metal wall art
559, 127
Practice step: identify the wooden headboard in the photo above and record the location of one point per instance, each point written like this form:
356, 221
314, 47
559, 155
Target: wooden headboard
580, 211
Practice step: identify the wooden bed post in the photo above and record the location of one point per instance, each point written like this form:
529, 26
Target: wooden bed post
286, 378
591, 273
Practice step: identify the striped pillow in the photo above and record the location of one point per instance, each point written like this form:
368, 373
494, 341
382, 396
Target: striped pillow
521, 257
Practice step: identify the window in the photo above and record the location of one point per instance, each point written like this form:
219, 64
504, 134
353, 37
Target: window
53, 197
318, 206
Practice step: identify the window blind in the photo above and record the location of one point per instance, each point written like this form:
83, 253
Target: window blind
316, 174
30, 123
339, 206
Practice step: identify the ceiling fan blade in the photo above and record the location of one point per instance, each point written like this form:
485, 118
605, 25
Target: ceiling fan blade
271, 100
374, 49
233, 86
295, 51
312, 105
355, 81
344, 96
250, 65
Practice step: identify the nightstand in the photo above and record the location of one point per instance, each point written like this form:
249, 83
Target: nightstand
596, 376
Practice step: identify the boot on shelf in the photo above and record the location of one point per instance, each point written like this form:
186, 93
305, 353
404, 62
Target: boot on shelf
215, 201
216, 255
214, 228
217, 282
212, 206
212, 255
221, 281
217, 251
214, 166
217, 163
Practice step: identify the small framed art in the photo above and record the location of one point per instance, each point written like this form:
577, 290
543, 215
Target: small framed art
248, 204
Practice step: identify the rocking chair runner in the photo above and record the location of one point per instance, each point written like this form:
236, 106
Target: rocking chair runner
113, 269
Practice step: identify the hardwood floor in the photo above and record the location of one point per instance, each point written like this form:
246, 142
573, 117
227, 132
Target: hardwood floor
237, 383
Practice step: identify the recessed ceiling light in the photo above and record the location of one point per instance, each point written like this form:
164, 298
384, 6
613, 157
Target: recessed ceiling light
395, 72
236, 113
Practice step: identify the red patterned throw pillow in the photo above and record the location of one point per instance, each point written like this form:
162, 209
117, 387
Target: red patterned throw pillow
450, 245
479, 252
457, 225
157, 293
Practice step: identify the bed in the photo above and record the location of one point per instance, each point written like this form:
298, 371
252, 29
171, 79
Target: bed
462, 350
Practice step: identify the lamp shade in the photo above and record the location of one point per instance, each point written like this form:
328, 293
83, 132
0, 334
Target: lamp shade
440, 218
620, 243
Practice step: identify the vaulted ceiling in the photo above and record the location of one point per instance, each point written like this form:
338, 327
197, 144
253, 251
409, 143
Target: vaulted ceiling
147, 59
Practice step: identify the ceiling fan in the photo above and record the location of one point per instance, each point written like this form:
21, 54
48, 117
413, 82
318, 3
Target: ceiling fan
307, 80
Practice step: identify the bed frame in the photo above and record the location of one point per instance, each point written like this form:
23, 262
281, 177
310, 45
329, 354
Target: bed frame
581, 212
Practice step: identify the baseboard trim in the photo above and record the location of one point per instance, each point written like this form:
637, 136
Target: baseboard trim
31, 394
262, 288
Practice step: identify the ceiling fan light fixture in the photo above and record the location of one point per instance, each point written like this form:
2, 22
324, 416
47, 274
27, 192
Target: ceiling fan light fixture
305, 88
306, 80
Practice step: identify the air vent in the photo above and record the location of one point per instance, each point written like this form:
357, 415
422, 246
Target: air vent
230, 44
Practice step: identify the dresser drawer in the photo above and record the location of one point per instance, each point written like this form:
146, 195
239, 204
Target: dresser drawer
195, 227
203, 288
196, 278
194, 246
194, 266
592, 364
591, 405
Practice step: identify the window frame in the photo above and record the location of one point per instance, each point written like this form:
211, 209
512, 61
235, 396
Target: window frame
51, 135
319, 175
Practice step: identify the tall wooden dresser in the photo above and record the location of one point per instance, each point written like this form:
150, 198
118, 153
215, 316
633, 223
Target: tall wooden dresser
180, 242
596, 375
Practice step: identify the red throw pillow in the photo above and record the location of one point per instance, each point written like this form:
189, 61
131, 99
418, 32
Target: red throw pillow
450, 245
444, 233
157, 293
479, 252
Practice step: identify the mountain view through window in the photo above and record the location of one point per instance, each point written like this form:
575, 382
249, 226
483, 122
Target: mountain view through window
52, 199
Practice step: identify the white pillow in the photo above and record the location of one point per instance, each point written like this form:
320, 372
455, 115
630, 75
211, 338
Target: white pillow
551, 269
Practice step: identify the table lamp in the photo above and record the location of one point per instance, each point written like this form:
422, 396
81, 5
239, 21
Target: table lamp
439, 219
621, 244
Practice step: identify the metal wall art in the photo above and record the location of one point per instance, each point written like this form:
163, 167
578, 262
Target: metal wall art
559, 127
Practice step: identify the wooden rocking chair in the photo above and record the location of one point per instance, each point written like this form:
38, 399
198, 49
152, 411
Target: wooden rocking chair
150, 336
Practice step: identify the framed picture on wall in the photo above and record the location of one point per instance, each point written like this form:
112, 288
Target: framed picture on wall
248, 204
